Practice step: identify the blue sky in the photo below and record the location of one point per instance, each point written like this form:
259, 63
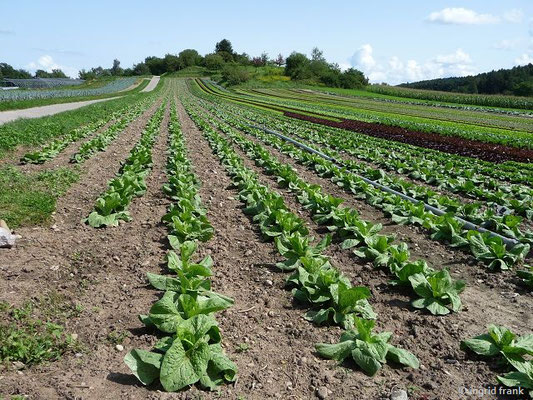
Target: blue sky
392, 41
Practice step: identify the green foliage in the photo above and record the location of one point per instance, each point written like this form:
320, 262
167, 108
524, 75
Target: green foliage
30, 198
224, 46
522, 377
492, 251
501, 342
7, 71
214, 61
297, 66
234, 74
438, 292
369, 351
111, 206
30, 340
517, 80
193, 354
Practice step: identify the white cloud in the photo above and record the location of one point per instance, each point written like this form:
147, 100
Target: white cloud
461, 16
514, 16
47, 64
506, 44
524, 59
459, 57
363, 58
396, 71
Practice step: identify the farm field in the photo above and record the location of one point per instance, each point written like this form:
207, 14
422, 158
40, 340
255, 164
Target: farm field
267, 243
103, 89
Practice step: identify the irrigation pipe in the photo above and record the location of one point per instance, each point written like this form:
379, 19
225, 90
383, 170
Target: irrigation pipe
466, 224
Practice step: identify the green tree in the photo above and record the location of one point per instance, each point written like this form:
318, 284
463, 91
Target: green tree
214, 61
189, 57
353, 78
56, 73
297, 66
224, 46
243, 59
116, 70
156, 65
7, 71
172, 62
234, 74
141, 69
523, 88
317, 55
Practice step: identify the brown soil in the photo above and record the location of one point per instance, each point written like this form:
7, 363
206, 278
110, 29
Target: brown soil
264, 332
437, 346
492, 152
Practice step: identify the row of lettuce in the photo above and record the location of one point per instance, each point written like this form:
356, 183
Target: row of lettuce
310, 278
316, 283
319, 109
101, 133
482, 119
488, 249
189, 349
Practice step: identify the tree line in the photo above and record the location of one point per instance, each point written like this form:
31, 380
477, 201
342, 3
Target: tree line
7, 71
234, 67
516, 81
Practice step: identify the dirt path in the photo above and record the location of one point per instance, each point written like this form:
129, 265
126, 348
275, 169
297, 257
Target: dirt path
37, 112
152, 85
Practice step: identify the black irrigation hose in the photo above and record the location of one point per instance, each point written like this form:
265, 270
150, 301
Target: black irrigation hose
466, 224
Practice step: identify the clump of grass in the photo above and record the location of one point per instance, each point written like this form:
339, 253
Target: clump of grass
30, 198
28, 339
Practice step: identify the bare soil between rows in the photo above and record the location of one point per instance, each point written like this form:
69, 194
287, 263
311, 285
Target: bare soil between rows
435, 340
264, 333
492, 152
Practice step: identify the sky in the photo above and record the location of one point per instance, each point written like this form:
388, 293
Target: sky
390, 41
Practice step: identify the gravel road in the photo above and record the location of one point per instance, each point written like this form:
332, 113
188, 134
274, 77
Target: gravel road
153, 83
37, 112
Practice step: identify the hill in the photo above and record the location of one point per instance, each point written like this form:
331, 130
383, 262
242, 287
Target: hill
517, 81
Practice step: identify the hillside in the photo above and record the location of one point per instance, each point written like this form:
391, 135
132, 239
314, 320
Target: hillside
517, 81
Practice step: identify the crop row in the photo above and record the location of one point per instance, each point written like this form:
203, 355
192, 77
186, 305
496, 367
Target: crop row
357, 343
488, 249
459, 98
316, 282
56, 146
111, 206
190, 351
103, 139
357, 234
112, 87
470, 117
487, 134
425, 164
476, 212
513, 196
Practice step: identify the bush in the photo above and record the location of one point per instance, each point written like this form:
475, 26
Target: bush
234, 74
214, 61
297, 66
353, 79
